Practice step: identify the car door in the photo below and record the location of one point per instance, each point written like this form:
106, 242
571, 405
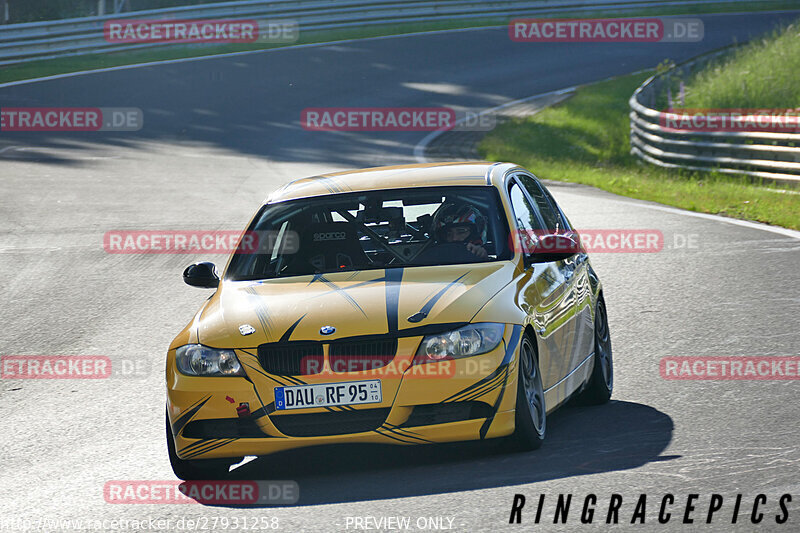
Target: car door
576, 270
544, 293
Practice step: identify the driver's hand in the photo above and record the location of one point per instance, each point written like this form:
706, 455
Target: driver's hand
479, 251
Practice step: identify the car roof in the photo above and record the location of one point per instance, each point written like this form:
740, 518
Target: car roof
393, 177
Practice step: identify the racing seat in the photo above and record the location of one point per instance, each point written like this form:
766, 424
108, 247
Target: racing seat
331, 246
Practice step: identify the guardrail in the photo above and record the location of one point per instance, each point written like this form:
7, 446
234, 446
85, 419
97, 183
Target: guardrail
45, 40
763, 154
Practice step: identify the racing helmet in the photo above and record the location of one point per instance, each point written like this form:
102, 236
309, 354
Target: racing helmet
459, 215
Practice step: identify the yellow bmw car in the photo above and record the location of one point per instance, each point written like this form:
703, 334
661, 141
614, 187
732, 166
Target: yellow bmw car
404, 305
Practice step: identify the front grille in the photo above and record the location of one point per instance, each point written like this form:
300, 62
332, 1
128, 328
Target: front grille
291, 358
357, 356
223, 428
443, 413
335, 423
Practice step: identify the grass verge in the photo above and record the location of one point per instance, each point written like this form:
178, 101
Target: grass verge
585, 140
761, 74
49, 67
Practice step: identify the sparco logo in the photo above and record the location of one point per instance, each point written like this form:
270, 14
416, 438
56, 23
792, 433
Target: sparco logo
330, 236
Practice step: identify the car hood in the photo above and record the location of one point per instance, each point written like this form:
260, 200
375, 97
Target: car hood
354, 303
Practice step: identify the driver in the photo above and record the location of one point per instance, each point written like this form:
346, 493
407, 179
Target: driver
461, 223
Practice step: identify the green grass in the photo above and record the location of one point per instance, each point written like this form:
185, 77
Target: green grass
763, 73
41, 68
585, 140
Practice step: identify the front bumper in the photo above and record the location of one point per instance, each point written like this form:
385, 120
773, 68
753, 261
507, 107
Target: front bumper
465, 399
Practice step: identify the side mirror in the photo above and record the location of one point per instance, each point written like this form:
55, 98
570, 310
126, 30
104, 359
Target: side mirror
201, 275
553, 248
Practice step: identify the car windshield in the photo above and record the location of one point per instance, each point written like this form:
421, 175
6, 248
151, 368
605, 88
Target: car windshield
374, 229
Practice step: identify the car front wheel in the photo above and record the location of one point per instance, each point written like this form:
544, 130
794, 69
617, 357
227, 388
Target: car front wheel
601, 382
531, 420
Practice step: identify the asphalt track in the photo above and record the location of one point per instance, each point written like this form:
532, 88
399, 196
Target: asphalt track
220, 133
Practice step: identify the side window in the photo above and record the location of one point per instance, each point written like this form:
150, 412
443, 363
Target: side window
528, 223
552, 218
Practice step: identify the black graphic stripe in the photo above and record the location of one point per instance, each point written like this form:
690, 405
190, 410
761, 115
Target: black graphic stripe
268, 376
480, 383
210, 448
260, 310
295, 380
197, 445
288, 332
386, 424
368, 282
186, 416
495, 407
485, 389
426, 309
399, 432
343, 292
393, 437
394, 278
510, 349
263, 411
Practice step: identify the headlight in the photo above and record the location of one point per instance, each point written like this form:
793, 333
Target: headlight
199, 360
470, 340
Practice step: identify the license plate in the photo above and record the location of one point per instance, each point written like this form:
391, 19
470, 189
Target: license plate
328, 394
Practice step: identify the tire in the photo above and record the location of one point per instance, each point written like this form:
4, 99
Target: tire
601, 381
530, 412
203, 469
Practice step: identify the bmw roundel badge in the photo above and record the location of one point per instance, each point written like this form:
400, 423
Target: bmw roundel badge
327, 330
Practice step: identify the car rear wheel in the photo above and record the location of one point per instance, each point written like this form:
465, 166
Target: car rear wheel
203, 469
601, 382
531, 418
